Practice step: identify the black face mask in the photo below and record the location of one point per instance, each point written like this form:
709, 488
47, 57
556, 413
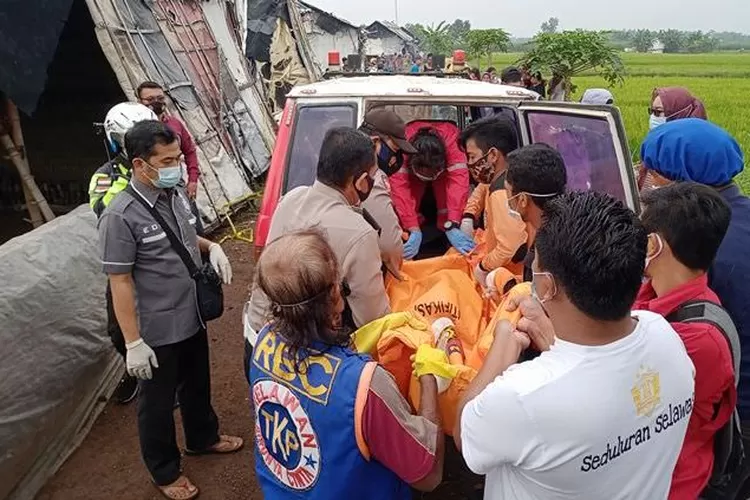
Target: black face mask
363, 195
157, 107
385, 158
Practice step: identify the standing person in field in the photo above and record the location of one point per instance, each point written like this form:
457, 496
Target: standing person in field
347, 432
686, 223
699, 151
667, 105
603, 411
152, 94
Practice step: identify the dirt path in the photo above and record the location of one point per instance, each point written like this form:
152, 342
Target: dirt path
108, 464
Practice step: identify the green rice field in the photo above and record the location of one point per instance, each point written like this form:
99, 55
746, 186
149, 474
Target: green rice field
721, 80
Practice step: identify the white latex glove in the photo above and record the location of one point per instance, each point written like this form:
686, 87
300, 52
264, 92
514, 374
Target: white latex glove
139, 360
467, 226
220, 263
481, 276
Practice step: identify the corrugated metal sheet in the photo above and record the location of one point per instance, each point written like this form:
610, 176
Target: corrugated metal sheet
170, 42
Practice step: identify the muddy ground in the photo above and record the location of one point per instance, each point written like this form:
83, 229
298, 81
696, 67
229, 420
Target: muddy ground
108, 465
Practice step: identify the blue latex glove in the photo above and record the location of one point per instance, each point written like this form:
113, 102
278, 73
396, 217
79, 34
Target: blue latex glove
461, 241
411, 247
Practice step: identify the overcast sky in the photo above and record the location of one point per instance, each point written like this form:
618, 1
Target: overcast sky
523, 17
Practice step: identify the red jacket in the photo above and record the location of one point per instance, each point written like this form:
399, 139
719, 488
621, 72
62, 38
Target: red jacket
451, 188
714, 385
187, 145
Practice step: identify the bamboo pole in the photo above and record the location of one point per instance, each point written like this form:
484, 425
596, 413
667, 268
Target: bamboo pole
17, 135
23, 169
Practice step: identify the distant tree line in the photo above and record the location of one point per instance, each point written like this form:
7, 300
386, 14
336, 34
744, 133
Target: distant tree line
446, 37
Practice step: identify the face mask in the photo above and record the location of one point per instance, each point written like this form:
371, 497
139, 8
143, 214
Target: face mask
513, 213
649, 260
481, 170
655, 121
386, 157
363, 195
157, 107
168, 178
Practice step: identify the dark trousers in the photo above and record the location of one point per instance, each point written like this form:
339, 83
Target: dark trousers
113, 327
183, 369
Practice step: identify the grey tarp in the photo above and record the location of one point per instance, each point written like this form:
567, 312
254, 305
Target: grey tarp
56, 359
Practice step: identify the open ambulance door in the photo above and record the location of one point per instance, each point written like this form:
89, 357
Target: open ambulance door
592, 141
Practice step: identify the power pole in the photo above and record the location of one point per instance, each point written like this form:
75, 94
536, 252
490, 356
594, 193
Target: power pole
396, 7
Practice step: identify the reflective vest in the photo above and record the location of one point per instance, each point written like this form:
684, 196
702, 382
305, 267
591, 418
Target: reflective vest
308, 441
106, 183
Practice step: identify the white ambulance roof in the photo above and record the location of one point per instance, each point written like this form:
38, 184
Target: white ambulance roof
402, 86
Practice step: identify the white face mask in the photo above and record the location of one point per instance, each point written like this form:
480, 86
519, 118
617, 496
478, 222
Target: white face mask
649, 260
655, 121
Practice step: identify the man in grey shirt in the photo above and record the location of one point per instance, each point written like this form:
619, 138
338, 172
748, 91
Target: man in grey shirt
155, 304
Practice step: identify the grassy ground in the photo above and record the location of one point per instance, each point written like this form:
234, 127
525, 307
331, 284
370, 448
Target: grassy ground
721, 80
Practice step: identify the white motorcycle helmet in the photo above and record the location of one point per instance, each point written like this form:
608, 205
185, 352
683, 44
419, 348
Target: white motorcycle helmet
120, 119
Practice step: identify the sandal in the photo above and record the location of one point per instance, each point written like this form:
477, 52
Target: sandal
225, 445
182, 489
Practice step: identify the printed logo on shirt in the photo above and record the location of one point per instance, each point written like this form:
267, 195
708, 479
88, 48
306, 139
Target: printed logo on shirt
312, 378
286, 439
664, 421
646, 392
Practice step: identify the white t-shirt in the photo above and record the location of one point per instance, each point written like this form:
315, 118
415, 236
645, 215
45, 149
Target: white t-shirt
600, 423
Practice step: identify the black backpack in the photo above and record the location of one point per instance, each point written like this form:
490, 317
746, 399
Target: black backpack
731, 468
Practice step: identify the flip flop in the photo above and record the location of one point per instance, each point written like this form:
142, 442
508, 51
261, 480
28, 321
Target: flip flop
226, 445
182, 489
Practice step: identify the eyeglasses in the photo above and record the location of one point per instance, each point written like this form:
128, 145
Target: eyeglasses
655, 111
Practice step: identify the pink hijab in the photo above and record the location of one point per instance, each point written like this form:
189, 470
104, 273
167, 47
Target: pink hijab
679, 103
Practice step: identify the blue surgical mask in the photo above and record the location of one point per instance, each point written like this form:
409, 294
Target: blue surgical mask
654, 121
168, 178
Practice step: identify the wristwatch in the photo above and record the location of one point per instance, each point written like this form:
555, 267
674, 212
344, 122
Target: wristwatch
451, 225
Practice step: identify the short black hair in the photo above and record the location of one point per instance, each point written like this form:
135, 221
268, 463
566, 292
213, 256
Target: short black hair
141, 139
511, 74
430, 153
491, 69
492, 132
147, 85
537, 168
345, 154
595, 247
691, 217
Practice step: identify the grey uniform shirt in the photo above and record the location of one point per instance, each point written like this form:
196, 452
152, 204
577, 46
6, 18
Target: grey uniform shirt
131, 241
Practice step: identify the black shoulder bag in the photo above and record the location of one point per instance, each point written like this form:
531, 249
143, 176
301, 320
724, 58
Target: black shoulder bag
208, 284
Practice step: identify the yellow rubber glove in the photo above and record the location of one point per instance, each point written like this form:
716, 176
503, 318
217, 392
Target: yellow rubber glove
367, 337
432, 361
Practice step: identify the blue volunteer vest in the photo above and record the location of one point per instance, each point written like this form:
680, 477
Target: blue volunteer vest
305, 438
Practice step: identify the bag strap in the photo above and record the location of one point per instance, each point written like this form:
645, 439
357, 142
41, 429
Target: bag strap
703, 311
176, 243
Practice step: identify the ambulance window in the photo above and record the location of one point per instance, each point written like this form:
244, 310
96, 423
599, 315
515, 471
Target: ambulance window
310, 128
588, 147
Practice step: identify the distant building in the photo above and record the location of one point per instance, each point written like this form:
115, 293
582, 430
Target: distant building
327, 32
385, 37
657, 47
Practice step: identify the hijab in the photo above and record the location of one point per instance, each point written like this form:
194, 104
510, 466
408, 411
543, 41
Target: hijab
679, 103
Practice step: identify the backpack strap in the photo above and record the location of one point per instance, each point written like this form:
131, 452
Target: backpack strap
703, 311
